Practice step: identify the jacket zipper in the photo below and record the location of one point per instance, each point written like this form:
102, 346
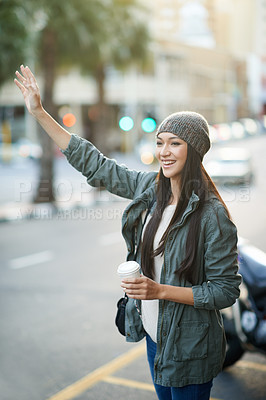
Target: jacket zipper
157, 361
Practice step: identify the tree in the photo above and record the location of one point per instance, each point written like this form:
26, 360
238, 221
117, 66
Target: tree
120, 43
13, 36
92, 35
65, 25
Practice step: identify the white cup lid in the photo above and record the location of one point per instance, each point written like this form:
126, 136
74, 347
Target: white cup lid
128, 267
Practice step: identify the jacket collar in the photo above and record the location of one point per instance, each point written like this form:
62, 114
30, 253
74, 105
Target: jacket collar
144, 201
193, 204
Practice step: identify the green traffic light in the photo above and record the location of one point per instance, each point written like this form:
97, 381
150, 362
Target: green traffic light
148, 125
126, 123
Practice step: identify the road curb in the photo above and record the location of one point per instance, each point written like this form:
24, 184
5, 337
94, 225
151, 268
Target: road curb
12, 212
60, 209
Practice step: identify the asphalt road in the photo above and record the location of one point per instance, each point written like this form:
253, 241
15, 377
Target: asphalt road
58, 306
58, 290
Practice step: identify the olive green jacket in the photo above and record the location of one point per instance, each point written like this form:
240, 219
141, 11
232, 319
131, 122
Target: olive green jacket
190, 339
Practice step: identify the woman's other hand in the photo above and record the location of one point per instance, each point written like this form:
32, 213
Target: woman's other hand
142, 288
146, 289
27, 84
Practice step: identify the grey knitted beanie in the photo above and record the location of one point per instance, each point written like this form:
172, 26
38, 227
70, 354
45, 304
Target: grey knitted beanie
190, 127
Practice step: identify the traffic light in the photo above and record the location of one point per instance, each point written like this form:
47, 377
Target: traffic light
126, 123
148, 124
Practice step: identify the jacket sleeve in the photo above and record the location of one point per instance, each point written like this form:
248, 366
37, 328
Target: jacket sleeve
221, 288
102, 171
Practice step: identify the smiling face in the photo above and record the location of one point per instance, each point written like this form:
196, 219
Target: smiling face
171, 152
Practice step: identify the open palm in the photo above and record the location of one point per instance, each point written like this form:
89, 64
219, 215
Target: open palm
26, 82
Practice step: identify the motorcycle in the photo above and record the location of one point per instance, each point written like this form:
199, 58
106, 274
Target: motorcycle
245, 321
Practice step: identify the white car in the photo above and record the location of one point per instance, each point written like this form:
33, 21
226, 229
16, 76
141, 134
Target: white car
231, 166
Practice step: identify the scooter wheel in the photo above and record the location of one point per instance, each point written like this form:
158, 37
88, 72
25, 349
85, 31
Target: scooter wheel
234, 350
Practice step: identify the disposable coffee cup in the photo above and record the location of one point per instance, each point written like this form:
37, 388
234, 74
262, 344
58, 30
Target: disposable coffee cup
128, 269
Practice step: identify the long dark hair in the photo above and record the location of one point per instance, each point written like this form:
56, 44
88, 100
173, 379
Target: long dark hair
194, 178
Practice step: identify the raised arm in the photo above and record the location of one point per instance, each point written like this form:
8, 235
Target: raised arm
26, 82
81, 154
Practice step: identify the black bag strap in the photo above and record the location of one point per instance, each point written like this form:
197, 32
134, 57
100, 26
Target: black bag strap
144, 222
139, 243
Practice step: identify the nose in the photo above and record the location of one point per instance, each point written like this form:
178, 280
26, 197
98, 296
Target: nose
165, 151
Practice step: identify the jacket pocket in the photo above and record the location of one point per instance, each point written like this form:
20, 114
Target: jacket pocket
191, 341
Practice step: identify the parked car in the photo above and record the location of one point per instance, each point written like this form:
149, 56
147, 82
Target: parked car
231, 166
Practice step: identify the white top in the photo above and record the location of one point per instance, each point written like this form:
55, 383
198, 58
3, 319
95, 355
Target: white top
150, 308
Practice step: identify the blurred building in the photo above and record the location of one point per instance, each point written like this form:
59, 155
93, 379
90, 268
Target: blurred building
213, 43
207, 55
259, 56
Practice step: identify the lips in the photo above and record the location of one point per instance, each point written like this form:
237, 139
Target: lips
167, 163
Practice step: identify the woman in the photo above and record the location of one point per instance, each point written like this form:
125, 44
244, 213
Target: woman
188, 253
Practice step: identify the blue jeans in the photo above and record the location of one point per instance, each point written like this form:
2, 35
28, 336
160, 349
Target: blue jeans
189, 392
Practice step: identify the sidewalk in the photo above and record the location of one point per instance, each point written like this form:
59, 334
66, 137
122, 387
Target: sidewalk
17, 211
77, 193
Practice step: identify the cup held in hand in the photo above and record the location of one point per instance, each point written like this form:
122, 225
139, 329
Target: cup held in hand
128, 269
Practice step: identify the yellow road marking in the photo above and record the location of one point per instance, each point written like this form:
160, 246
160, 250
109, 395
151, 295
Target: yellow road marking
251, 365
114, 380
80, 386
129, 383
103, 374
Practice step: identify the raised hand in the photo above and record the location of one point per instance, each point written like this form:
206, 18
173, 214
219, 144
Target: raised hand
27, 84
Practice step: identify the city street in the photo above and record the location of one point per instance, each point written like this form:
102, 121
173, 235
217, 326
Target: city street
150, 84
59, 290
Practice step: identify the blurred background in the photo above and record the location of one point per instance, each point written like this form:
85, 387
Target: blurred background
110, 71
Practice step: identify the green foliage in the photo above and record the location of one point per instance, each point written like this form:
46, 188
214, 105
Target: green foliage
122, 40
87, 33
13, 37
